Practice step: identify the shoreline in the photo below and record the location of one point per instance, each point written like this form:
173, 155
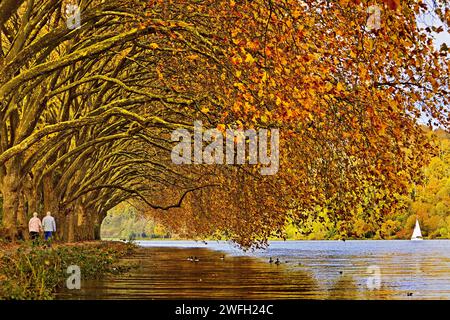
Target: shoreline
317, 272
270, 240
35, 273
41, 274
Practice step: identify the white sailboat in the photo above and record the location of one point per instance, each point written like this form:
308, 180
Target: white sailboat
417, 234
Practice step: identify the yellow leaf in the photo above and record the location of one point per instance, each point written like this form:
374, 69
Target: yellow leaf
278, 102
193, 57
249, 58
221, 127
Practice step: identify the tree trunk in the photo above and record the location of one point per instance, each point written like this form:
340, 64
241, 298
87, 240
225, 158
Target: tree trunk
51, 204
31, 196
84, 230
90, 225
98, 225
70, 220
70, 225
22, 219
10, 191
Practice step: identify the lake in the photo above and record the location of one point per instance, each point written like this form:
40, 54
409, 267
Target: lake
307, 270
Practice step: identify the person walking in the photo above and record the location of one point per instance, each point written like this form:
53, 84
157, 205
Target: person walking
49, 226
34, 227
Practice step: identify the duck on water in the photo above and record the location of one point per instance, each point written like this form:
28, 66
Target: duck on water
193, 259
277, 262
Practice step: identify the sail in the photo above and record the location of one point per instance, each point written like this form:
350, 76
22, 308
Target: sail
417, 234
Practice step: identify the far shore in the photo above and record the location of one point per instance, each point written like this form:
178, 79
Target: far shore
270, 240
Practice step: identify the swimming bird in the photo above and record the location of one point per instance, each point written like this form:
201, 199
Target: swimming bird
190, 258
222, 257
341, 272
270, 260
409, 294
196, 259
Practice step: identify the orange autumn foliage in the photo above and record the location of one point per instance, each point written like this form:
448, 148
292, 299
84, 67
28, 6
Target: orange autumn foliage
346, 99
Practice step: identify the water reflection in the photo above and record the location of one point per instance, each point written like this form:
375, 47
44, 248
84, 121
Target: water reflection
165, 273
309, 270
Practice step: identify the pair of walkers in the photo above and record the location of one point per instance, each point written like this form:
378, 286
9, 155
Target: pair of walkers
35, 226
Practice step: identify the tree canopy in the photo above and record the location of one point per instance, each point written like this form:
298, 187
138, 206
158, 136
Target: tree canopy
86, 114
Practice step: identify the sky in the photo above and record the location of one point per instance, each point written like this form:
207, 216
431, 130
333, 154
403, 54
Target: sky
439, 39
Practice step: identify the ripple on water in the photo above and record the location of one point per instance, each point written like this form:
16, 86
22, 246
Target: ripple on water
314, 270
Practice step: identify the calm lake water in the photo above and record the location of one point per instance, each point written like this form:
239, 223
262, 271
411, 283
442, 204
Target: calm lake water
308, 270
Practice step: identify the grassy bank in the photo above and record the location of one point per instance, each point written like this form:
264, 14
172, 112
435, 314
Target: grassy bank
28, 272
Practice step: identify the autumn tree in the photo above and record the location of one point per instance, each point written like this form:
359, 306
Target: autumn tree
86, 114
